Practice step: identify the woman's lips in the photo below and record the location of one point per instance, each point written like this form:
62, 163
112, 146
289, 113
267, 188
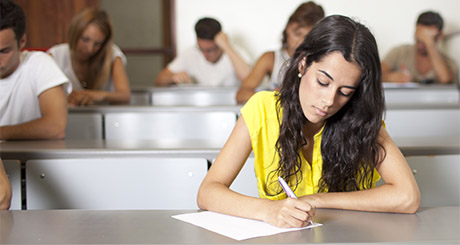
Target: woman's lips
320, 112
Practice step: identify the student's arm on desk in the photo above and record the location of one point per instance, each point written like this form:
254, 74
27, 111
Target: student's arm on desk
5, 189
440, 67
399, 194
214, 193
122, 93
394, 76
242, 68
52, 124
264, 66
167, 77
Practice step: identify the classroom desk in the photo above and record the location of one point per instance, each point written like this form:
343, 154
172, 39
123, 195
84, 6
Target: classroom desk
427, 226
65, 149
189, 95
425, 146
145, 108
422, 94
194, 95
153, 122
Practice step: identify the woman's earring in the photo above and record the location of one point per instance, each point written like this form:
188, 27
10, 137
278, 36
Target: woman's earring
299, 75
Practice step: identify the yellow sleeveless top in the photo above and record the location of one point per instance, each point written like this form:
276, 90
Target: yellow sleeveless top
260, 116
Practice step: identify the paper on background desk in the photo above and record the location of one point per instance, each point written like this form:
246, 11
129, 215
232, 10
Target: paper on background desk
234, 227
401, 85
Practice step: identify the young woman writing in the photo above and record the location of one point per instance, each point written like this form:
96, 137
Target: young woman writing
322, 132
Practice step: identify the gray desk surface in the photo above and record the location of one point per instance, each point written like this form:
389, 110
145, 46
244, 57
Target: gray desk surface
422, 106
49, 149
427, 226
146, 108
386, 86
185, 87
420, 87
423, 95
233, 108
422, 146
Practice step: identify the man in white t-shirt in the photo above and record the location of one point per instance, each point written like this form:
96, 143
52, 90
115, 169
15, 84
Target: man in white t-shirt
214, 62
33, 100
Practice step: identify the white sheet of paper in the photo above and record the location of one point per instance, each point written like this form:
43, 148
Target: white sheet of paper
234, 227
401, 85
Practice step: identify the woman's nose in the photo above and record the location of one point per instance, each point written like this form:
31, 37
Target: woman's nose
328, 98
90, 48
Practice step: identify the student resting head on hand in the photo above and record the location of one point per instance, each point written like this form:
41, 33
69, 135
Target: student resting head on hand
214, 61
322, 132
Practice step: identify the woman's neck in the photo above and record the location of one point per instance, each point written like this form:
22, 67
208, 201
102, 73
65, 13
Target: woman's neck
290, 52
311, 129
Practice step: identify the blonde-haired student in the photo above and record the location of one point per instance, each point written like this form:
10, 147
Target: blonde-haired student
93, 63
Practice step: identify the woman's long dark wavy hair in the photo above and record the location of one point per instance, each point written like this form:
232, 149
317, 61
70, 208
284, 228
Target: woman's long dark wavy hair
349, 144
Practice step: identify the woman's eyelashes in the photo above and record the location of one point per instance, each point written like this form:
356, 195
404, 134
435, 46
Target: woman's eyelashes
322, 83
343, 93
87, 40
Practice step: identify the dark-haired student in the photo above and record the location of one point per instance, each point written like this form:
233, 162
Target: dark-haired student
33, 99
322, 132
213, 62
422, 62
273, 63
93, 63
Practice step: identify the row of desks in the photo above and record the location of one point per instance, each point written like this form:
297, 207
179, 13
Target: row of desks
56, 149
140, 159
208, 96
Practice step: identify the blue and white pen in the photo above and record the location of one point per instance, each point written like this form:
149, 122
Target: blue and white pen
288, 190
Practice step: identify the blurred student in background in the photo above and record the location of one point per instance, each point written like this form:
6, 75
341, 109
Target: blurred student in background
422, 62
273, 63
322, 132
5, 189
93, 63
33, 99
214, 62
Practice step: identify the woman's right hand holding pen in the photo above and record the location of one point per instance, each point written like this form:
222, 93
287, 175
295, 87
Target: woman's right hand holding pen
289, 213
